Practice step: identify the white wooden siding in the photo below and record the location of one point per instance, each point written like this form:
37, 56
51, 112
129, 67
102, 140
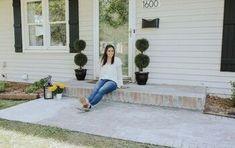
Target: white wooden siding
186, 48
37, 65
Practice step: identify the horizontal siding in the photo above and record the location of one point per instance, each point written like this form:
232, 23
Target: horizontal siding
186, 48
37, 65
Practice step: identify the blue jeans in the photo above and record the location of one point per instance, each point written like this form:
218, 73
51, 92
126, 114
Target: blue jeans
101, 88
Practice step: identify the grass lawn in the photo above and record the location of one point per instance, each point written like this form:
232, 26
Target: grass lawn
14, 133
57, 136
8, 103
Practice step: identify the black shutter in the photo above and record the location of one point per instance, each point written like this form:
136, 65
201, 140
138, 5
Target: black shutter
17, 25
228, 45
73, 24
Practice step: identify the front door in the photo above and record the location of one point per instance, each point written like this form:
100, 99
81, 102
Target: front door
116, 28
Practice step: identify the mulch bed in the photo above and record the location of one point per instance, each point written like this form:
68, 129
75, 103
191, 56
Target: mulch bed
16, 91
219, 106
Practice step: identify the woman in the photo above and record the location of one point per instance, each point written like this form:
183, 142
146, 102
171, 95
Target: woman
109, 80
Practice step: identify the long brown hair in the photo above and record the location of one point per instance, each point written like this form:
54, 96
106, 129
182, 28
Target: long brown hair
105, 56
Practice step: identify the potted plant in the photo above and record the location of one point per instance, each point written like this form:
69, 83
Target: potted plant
57, 89
142, 61
80, 59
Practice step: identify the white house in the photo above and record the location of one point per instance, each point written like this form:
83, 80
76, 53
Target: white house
193, 45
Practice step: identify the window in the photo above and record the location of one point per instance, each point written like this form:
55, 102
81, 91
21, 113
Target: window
45, 25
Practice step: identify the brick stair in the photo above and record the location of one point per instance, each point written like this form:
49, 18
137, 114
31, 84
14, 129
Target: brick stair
177, 96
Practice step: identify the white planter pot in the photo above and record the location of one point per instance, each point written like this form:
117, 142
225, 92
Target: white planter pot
58, 96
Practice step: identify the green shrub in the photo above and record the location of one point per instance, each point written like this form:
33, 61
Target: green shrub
80, 59
2, 86
142, 60
35, 86
31, 89
142, 45
79, 45
233, 92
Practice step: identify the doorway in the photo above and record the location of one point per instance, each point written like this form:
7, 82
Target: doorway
114, 24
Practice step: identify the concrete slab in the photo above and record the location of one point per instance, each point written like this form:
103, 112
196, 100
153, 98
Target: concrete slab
149, 124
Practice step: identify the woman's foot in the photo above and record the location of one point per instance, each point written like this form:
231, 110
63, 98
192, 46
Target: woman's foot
85, 103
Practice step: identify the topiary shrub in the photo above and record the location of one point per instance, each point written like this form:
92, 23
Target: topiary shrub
142, 60
80, 59
79, 45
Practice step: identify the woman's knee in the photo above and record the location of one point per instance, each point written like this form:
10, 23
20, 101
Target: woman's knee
102, 91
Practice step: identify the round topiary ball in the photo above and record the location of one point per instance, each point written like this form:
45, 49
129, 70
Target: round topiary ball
80, 59
142, 61
79, 45
142, 45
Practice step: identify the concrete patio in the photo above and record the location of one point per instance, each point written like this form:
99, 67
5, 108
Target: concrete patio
149, 124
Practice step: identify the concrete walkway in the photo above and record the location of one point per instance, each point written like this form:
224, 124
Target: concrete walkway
148, 124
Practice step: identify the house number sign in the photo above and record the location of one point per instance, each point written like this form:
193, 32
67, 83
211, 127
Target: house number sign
151, 3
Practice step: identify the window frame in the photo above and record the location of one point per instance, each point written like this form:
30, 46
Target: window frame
46, 29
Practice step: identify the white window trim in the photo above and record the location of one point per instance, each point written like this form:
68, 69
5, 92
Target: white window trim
46, 31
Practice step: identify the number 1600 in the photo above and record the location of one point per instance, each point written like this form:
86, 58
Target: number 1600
150, 3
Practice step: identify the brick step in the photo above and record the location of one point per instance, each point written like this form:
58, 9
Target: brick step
185, 97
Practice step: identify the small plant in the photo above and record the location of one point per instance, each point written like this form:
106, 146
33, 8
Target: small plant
142, 60
31, 89
57, 88
80, 59
233, 92
35, 86
2, 86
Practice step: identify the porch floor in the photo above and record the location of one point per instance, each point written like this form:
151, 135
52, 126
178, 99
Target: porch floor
142, 123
